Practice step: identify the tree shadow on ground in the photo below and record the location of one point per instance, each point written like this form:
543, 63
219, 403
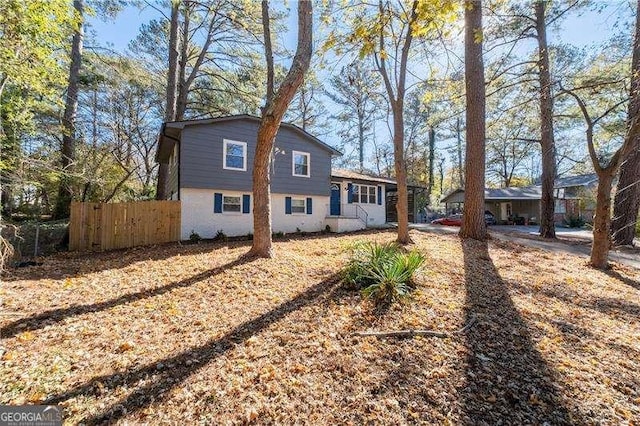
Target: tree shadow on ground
153, 382
623, 278
68, 264
507, 380
58, 315
578, 338
71, 264
604, 305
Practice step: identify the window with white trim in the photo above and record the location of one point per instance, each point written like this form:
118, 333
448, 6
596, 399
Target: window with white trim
235, 155
301, 163
560, 207
298, 205
364, 194
231, 203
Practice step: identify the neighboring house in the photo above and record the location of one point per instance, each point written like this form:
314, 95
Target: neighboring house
573, 197
210, 172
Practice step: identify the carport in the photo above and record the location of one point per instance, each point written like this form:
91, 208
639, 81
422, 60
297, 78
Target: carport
508, 205
417, 196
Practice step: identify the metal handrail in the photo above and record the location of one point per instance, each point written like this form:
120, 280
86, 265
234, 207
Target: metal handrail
346, 210
366, 215
351, 210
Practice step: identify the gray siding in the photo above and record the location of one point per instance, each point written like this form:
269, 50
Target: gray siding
458, 197
201, 159
172, 184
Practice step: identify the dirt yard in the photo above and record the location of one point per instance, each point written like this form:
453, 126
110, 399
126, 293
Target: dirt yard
197, 335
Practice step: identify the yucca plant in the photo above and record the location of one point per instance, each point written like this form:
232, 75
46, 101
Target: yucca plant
363, 256
384, 272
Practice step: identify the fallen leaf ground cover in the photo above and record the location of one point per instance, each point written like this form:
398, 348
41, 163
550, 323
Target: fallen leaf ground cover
195, 334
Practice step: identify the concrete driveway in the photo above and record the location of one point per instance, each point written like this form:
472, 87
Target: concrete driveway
584, 234
526, 236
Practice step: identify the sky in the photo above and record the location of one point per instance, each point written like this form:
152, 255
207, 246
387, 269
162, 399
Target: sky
118, 32
586, 29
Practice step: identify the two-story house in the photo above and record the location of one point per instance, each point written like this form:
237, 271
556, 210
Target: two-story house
210, 172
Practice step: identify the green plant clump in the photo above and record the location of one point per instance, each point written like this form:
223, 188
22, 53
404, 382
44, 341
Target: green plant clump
194, 237
221, 236
383, 272
574, 221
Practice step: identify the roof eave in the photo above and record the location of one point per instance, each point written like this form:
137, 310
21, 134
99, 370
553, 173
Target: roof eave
182, 124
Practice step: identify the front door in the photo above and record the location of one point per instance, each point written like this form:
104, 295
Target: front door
334, 206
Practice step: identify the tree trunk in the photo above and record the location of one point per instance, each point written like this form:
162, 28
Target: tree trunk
183, 87
65, 191
361, 139
272, 114
261, 246
606, 174
397, 107
627, 201
6, 199
602, 221
547, 223
3, 83
432, 152
459, 146
402, 206
441, 176
473, 224
6, 196
172, 90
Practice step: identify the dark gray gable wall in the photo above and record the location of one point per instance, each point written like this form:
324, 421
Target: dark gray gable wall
173, 177
201, 162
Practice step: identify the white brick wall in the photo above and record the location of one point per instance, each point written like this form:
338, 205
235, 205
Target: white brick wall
281, 222
198, 216
344, 224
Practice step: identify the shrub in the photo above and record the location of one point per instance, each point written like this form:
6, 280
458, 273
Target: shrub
574, 221
327, 229
383, 272
220, 236
278, 234
249, 236
638, 228
195, 237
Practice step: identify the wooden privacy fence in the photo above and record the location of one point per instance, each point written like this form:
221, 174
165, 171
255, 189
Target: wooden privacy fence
104, 226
